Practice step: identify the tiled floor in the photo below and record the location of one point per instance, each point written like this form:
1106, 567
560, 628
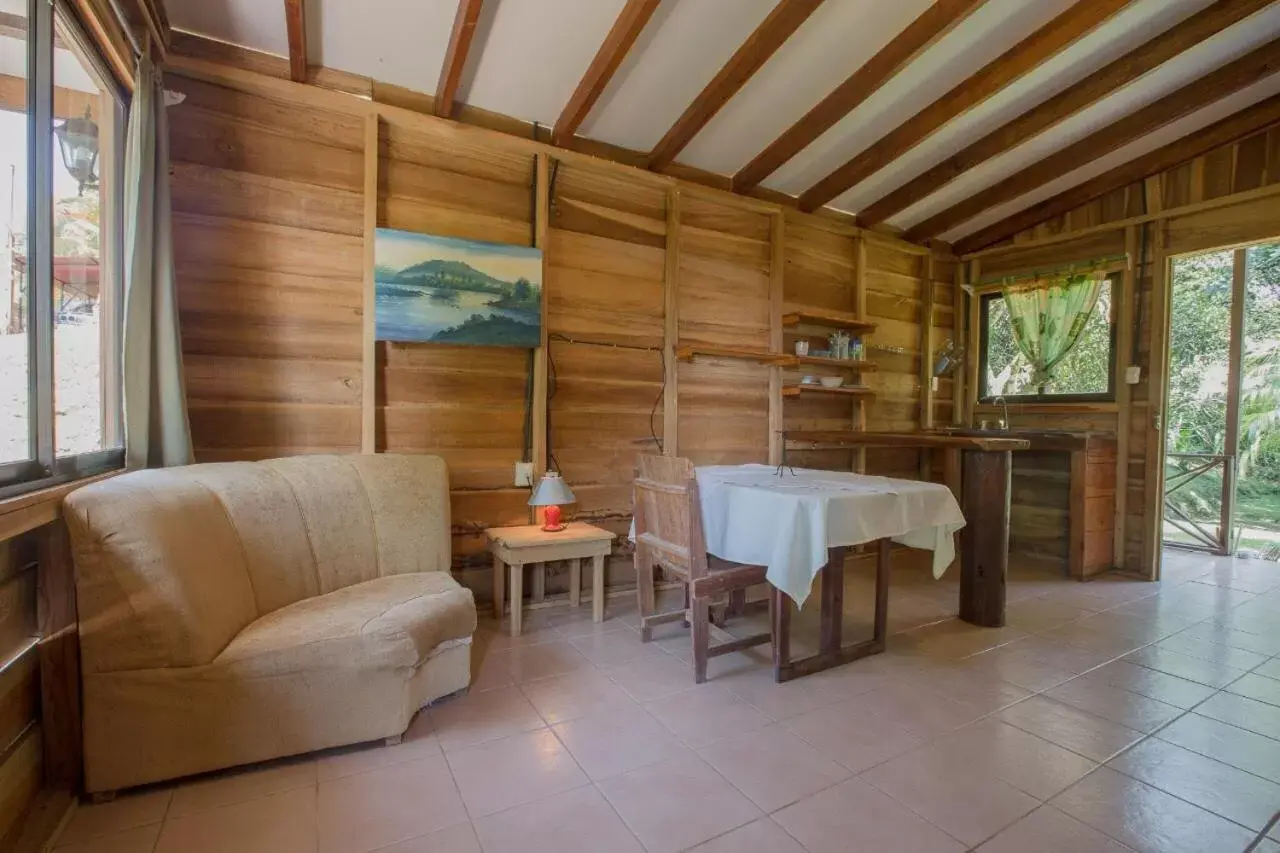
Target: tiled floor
1108, 716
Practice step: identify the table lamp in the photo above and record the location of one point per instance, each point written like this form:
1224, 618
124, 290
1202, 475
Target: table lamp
551, 493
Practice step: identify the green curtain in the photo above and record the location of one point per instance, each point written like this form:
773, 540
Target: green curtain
1048, 317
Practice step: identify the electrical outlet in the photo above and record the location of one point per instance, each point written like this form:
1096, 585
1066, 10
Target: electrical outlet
524, 474
1133, 374
934, 382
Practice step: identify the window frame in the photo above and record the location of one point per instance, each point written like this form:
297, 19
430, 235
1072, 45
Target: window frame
46, 468
986, 398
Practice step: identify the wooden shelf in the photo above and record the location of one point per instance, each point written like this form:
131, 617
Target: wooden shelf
846, 390
831, 319
687, 352
846, 363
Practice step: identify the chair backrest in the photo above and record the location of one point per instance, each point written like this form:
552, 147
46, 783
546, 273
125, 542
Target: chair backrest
668, 514
172, 563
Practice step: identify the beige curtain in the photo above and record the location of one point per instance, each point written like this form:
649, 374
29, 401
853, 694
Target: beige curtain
157, 433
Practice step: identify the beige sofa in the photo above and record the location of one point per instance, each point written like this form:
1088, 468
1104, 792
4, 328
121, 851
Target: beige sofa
240, 611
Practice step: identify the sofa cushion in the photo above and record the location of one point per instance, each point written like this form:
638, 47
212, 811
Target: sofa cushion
390, 622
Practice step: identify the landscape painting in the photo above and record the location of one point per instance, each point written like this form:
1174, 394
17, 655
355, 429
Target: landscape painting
452, 291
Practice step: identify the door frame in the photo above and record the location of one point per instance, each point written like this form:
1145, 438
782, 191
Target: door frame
1161, 355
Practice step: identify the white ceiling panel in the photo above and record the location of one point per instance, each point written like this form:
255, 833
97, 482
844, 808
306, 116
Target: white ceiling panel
1170, 133
1186, 68
678, 53
258, 24
835, 42
355, 37
1135, 24
535, 53
988, 32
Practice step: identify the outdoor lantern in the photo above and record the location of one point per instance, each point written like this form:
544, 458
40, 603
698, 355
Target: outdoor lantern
551, 493
78, 140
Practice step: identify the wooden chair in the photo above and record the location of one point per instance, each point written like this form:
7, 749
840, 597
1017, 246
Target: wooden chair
669, 534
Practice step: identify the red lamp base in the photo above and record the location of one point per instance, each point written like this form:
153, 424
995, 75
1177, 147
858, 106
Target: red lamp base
551, 521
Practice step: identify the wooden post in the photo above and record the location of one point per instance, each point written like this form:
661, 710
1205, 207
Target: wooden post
1124, 301
671, 328
1235, 372
984, 541
860, 309
926, 363
958, 340
542, 212
973, 344
1157, 392
777, 267
369, 352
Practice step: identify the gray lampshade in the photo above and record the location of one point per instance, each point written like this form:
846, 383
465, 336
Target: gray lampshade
551, 491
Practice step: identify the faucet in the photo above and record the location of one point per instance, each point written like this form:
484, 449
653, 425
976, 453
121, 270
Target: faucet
1003, 423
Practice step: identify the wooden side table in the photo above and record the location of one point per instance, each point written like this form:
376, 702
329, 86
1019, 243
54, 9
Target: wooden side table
517, 547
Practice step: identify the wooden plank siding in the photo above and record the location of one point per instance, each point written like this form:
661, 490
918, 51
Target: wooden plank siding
1224, 198
269, 222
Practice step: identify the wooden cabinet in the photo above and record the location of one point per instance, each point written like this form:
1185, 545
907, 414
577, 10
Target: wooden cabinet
1063, 502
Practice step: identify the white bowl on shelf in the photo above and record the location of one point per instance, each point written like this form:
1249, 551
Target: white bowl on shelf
832, 381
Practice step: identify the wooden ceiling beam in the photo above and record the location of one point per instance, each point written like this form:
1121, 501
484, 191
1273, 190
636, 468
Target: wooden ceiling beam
295, 18
1088, 91
617, 44
1244, 123
1034, 50
763, 43
455, 58
1232, 77
935, 22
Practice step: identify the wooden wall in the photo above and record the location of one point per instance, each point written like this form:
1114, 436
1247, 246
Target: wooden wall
1228, 197
269, 238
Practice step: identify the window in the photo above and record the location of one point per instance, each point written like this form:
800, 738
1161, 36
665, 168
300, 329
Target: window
1086, 373
61, 146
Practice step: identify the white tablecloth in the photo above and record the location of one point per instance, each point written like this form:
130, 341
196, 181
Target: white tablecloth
752, 514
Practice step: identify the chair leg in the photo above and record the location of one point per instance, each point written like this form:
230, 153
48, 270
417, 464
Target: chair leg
701, 630
687, 603
644, 591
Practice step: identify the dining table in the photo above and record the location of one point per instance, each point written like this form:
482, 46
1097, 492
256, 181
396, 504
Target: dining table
800, 524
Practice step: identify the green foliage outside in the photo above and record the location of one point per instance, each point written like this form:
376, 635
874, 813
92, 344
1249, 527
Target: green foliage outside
1200, 311
1084, 370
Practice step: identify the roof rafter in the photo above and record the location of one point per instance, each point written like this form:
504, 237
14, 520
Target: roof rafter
1088, 91
295, 18
455, 58
1035, 49
764, 41
1232, 77
622, 35
1237, 126
932, 24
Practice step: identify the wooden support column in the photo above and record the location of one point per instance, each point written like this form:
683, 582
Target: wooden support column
542, 213
369, 357
1124, 312
973, 341
926, 363
671, 328
1157, 384
1235, 371
958, 340
777, 268
860, 309
984, 541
